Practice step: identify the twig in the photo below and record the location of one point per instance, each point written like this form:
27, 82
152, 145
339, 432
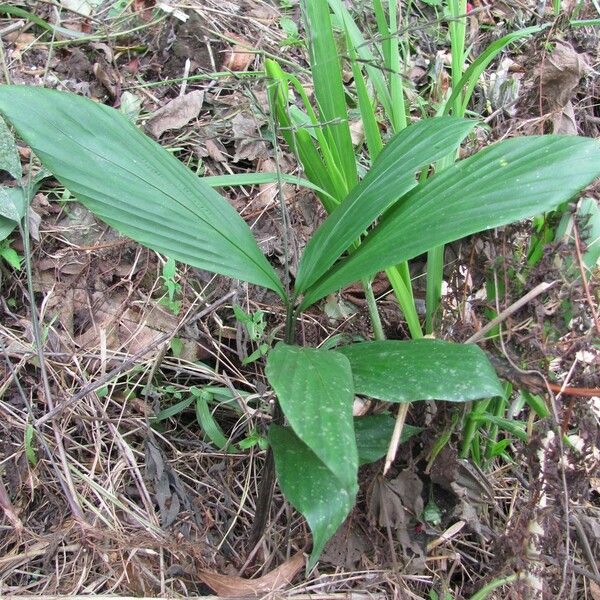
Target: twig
586, 287
536, 291
396, 435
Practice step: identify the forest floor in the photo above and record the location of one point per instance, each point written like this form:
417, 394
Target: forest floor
97, 497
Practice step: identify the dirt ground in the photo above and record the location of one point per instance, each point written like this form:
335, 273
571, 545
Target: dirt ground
99, 498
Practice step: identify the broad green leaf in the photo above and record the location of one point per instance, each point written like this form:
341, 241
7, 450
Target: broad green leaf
12, 209
393, 174
329, 89
314, 388
506, 182
310, 487
12, 203
373, 434
11, 256
134, 184
425, 369
173, 410
9, 155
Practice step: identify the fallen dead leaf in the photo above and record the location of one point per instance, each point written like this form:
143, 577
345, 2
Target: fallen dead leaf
239, 56
175, 114
268, 192
563, 122
248, 142
229, 586
560, 75
82, 7
144, 9
397, 504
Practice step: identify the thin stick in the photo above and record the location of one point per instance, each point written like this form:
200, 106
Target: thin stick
584, 280
395, 441
536, 291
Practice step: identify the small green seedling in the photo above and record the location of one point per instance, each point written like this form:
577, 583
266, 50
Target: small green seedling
255, 325
10, 255
171, 286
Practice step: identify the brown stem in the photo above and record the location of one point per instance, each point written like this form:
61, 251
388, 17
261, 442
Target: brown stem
267, 482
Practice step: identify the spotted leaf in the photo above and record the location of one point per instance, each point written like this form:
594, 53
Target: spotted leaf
405, 371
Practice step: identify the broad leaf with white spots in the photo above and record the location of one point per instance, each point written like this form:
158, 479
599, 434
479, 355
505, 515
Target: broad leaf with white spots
405, 371
316, 457
314, 388
373, 434
310, 487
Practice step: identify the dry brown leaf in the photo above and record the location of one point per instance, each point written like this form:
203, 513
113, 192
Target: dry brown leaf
175, 114
560, 75
594, 590
239, 56
269, 191
144, 9
564, 122
229, 586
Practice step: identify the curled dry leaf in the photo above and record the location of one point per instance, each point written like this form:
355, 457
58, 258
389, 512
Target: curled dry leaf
175, 114
560, 74
229, 586
239, 56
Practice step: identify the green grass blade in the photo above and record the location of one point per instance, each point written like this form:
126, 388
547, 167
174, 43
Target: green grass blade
371, 60
300, 140
207, 422
367, 112
433, 294
405, 297
329, 88
398, 115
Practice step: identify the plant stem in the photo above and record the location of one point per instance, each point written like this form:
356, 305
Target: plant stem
378, 333
267, 482
435, 257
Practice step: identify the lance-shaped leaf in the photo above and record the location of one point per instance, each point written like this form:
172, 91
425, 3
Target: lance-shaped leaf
314, 388
507, 182
12, 209
405, 371
393, 174
310, 487
133, 184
